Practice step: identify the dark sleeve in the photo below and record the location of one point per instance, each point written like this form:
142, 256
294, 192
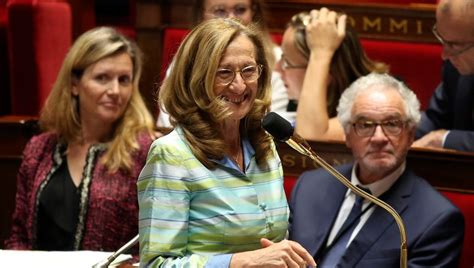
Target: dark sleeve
438, 115
19, 230
441, 112
440, 245
461, 140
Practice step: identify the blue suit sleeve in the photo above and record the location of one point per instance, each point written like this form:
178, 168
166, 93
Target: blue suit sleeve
440, 245
436, 116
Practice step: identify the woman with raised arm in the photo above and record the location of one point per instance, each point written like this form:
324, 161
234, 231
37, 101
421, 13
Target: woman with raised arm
321, 58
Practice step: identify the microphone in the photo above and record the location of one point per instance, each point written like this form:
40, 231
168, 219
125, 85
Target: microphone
282, 130
105, 263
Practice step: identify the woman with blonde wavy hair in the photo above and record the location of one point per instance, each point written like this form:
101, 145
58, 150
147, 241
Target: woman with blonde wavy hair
246, 12
77, 182
211, 193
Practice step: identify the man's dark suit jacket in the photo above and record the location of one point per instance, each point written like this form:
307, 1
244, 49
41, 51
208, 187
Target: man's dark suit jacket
434, 226
452, 107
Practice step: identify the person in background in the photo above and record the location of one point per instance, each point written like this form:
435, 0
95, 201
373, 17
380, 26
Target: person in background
211, 193
76, 187
379, 116
321, 58
246, 11
449, 120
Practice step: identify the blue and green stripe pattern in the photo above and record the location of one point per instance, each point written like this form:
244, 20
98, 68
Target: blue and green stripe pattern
188, 213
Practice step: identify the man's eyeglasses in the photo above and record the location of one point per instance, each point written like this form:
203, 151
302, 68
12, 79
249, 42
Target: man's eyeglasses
220, 11
285, 65
366, 128
249, 74
456, 48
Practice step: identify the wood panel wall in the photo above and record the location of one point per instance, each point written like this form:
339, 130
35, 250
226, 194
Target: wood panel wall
408, 23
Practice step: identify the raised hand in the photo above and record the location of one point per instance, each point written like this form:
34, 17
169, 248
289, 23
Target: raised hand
325, 31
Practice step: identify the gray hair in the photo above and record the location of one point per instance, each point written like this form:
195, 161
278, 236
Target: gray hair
361, 85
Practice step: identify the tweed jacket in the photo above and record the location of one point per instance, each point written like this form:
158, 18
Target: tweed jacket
108, 210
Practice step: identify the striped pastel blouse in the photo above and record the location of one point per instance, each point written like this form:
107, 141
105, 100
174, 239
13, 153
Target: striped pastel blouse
190, 215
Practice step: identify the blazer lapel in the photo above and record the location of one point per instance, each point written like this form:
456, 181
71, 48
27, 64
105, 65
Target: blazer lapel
398, 197
331, 201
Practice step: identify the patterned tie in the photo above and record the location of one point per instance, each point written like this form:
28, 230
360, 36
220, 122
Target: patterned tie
338, 247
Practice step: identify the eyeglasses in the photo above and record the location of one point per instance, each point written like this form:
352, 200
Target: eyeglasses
366, 128
456, 48
221, 11
249, 74
285, 64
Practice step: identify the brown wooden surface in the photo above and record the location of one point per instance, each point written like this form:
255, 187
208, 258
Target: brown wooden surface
371, 20
446, 170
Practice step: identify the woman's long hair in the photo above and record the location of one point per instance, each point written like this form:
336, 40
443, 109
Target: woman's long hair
187, 94
61, 110
348, 63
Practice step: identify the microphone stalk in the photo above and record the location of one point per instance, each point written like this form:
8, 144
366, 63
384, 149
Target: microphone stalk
301, 146
106, 262
282, 130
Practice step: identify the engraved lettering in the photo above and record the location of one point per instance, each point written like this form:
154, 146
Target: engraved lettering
370, 24
288, 160
396, 26
419, 27
303, 162
351, 21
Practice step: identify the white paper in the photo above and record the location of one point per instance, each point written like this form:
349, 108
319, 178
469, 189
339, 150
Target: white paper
55, 259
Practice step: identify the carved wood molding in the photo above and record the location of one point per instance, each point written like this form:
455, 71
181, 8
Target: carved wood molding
444, 169
378, 21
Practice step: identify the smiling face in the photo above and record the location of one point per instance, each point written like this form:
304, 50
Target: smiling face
380, 154
239, 94
105, 89
291, 65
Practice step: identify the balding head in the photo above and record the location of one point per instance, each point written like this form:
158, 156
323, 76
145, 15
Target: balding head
462, 10
455, 27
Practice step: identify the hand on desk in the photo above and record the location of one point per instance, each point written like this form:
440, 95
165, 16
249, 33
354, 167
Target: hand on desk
285, 253
434, 139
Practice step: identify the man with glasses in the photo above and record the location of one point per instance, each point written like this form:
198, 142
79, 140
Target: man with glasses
449, 120
379, 116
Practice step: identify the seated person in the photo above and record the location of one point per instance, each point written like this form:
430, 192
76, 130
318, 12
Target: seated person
379, 116
246, 11
211, 193
321, 58
449, 120
76, 187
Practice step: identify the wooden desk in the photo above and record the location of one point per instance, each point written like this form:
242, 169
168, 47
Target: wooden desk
445, 170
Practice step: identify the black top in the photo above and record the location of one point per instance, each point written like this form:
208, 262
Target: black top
58, 212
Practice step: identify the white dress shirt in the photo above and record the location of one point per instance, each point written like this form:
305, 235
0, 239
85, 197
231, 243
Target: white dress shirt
376, 188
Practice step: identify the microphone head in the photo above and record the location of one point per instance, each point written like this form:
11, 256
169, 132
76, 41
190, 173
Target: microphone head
277, 126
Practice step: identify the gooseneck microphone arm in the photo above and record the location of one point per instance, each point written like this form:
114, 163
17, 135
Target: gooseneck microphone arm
282, 130
106, 262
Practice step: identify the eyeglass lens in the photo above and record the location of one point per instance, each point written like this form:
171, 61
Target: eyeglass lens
389, 127
249, 74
